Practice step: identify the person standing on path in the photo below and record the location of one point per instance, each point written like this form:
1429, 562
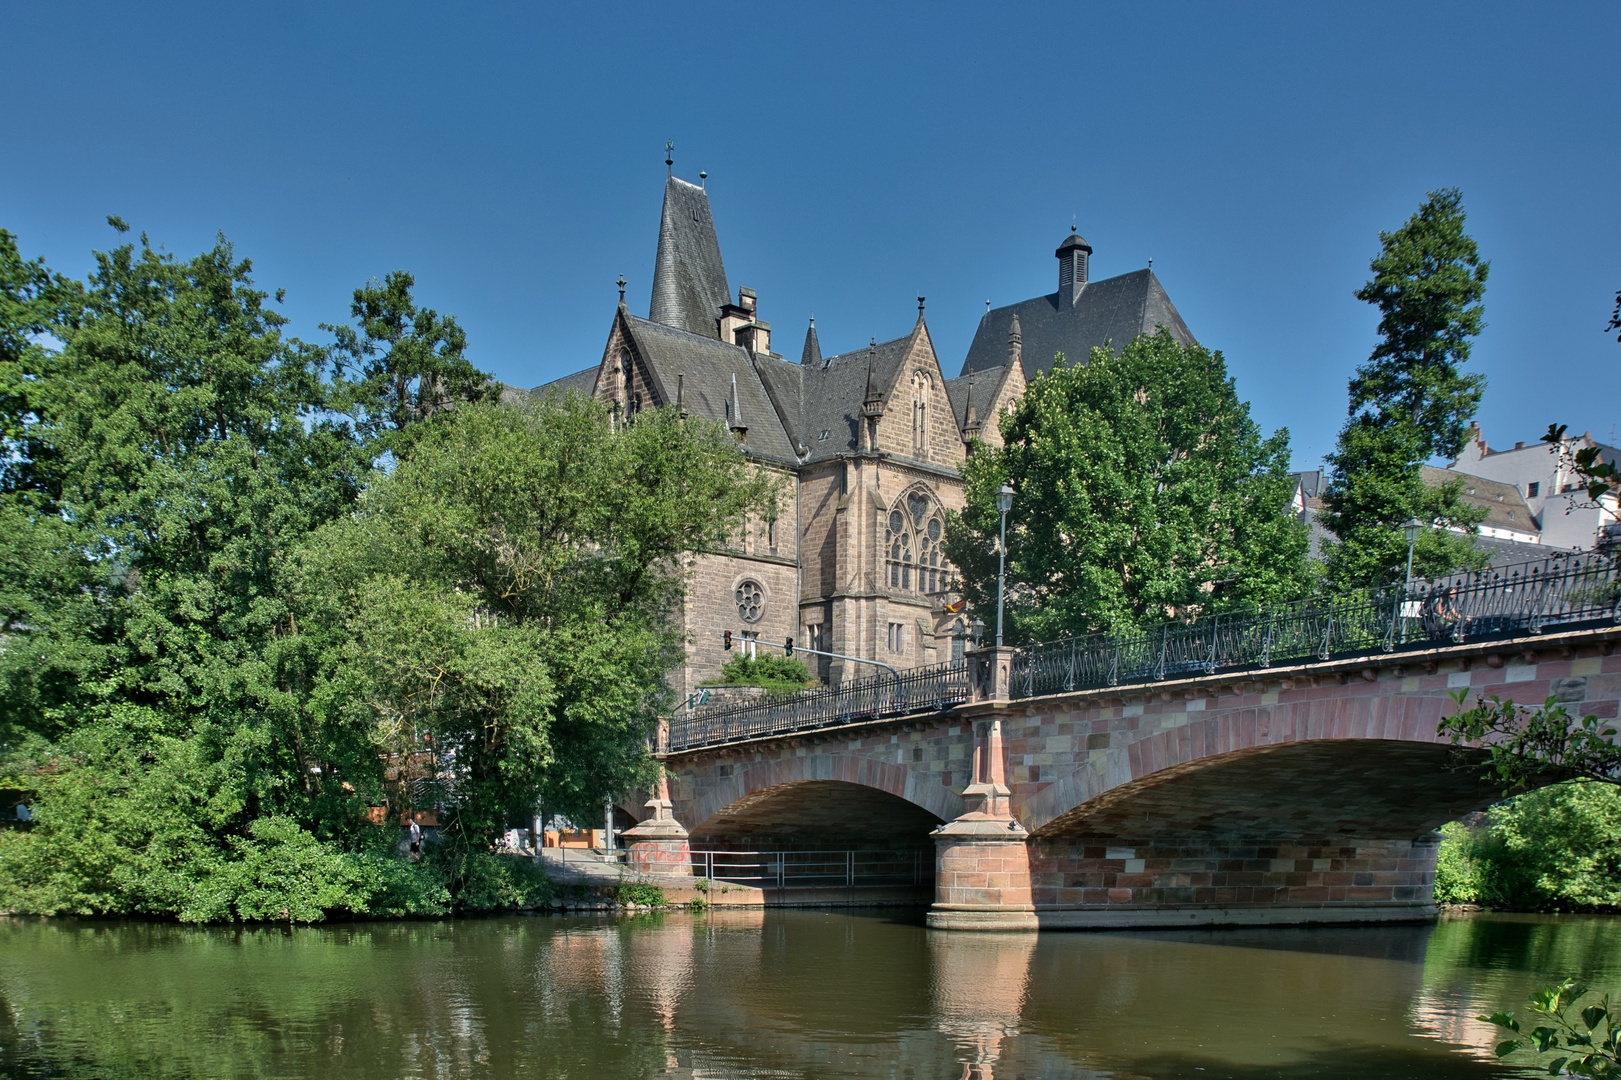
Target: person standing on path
413, 832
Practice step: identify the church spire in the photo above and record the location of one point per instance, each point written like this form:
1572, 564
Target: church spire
735, 419
812, 353
689, 279
970, 420
1015, 341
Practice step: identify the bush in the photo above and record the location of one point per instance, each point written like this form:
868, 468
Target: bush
777, 673
697, 903
1554, 849
484, 881
631, 892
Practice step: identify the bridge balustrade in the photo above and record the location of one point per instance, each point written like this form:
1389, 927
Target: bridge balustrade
1563, 592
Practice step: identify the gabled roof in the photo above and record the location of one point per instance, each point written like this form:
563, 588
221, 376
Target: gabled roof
986, 385
706, 367
581, 382
1115, 309
689, 280
833, 394
1504, 505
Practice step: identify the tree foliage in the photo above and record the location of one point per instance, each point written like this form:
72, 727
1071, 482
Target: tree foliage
239, 608
1578, 1034
1410, 402
1142, 490
1557, 848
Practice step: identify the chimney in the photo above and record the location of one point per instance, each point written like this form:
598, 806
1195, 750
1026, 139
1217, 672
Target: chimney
1073, 255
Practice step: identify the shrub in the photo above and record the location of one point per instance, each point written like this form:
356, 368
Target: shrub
697, 903
633, 892
776, 673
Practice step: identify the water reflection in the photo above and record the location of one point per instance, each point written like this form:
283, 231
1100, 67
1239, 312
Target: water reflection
791, 994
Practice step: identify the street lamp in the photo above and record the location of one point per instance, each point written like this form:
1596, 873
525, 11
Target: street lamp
1410, 529
1004, 503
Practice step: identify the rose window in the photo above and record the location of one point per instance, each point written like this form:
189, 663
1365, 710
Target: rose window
750, 601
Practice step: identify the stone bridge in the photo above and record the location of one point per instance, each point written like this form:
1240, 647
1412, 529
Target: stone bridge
1304, 794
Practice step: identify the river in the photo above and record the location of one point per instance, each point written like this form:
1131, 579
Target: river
780, 993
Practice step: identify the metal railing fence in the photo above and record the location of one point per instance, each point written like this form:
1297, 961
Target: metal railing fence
1559, 592
821, 869
1529, 598
920, 690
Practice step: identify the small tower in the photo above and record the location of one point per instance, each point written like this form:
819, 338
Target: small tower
872, 406
1072, 254
811, 355
1015, 342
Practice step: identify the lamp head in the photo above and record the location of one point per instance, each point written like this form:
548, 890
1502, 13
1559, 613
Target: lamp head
1411, 528
1004, 497
976, 630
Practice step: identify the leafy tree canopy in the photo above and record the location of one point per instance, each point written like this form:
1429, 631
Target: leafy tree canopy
1142, 490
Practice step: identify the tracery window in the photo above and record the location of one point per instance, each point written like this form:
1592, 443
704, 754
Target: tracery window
750, 601
921, 384
916, 562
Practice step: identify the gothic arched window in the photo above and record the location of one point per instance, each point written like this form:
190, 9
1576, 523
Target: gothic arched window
921, 384
913, 552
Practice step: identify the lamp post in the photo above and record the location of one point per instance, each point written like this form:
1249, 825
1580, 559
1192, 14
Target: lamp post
1410, 529
1004, 503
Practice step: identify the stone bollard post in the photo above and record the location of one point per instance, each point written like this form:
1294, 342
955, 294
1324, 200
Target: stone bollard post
658, 845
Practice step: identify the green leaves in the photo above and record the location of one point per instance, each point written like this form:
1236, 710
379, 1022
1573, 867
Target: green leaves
1594, 1057
1143, 490
1410, 402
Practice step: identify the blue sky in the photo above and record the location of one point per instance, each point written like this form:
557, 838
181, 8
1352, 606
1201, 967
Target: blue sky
511, 156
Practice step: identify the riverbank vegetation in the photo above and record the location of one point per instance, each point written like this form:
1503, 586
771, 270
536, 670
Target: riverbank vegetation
260, 597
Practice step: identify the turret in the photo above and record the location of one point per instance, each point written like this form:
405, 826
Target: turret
1072, 254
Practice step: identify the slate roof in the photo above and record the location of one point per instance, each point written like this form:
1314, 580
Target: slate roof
1504, 505
1115, 309
689, 280
986, 385
581, 382
709, 365
833, 394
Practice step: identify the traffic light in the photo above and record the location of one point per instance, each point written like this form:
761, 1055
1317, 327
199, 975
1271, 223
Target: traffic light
788, 647
726, 639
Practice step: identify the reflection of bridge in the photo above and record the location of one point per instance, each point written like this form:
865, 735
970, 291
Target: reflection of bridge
1275, 767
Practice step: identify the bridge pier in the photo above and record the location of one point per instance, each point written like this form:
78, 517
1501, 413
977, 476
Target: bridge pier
982, 859
659, 844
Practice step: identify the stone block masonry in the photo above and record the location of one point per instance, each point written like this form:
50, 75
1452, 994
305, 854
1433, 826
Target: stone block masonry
1306, 794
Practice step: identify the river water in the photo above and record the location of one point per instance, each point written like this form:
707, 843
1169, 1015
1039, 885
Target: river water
791, 994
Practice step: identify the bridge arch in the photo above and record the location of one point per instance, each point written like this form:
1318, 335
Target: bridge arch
805, 790
1246, 737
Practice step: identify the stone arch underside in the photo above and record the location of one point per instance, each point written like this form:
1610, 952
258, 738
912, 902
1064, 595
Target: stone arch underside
821, 799
1312, 789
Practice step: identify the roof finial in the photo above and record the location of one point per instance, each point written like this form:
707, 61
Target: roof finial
1151, 262
987, 305
621, 284
703, 179
669, 157
920, 307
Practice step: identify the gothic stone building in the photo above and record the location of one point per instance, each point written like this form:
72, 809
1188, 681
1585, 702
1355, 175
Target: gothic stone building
868, 443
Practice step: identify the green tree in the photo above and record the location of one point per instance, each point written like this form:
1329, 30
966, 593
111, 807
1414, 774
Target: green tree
1142, 490
1410, 402
400, 363
507, 595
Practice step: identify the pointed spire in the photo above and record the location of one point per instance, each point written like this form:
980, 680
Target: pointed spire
1015, 341
812, 353
872, 391
970, 420
681, 394
689, 278
872, 407
739, 428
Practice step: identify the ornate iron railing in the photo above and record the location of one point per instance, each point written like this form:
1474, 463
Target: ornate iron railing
1529, 598
918, 691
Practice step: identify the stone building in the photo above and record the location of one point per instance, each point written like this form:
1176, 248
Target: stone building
867, 443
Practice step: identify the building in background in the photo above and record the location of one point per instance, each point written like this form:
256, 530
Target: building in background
867, 443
